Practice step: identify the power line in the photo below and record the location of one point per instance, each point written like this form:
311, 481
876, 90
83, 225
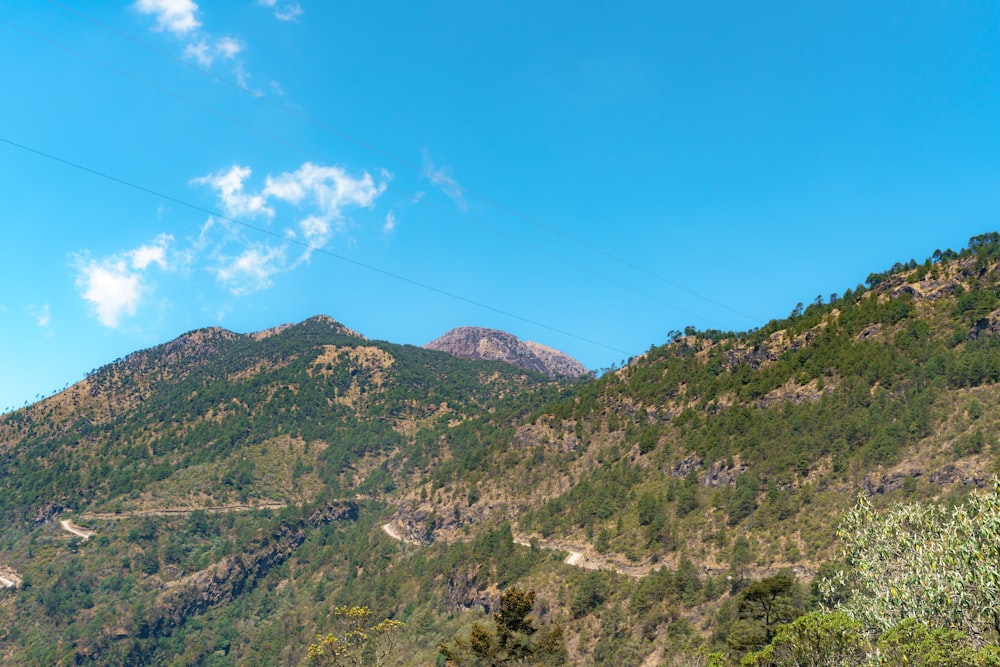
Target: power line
273, 137
402, 161
304, 244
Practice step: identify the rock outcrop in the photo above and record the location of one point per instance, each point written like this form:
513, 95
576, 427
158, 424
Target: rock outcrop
494, 345
230, 577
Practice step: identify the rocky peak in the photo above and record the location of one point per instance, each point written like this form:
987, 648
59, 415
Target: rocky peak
494, 345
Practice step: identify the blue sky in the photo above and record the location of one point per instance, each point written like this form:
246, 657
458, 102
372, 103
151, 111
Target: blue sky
586, 175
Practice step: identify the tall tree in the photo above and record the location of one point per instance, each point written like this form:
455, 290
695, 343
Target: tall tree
512, 638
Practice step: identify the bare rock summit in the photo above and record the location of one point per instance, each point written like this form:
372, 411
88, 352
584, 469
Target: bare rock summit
494, 345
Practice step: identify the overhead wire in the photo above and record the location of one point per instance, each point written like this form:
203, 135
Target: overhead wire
404, 162
277, 139
312, 248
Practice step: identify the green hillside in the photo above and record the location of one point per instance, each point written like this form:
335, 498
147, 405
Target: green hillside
231, 491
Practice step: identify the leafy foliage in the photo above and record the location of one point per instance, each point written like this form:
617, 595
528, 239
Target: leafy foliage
359, 643
818, 639
926, 561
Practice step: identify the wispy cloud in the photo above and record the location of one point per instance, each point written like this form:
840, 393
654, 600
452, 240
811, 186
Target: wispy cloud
440, 177
181, 18
316, 197
42, 315
199, 52
205, 53
229, 47
252, 269
283, 11
390, 223
243, 80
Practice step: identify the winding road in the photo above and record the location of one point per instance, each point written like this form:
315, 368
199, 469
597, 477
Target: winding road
70, 527
578, 558
574, 557
181, 511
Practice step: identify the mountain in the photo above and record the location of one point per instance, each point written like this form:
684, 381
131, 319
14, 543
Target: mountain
173, 487
214, 500
494, 345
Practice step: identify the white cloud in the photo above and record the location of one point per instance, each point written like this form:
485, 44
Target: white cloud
229, 187
440, 177
114, 286
315, 230
176, 16
154, 253
330, 189
199, 52
390, 223
285, 187
316, 233
112, 289
205, 54
283, 11
229, 47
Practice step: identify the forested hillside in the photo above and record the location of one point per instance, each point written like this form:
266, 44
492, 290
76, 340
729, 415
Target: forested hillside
231, 492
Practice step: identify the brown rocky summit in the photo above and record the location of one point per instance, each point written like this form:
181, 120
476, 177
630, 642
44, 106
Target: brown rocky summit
494, 345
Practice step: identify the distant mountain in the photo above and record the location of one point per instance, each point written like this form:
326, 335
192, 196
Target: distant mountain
494, 345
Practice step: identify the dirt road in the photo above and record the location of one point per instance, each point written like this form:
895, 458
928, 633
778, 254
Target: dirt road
181, 511
9, 578
574, 556
70, 527
393, 532
578, 558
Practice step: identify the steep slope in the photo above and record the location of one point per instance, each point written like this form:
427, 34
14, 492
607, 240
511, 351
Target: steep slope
766, 435
494, 345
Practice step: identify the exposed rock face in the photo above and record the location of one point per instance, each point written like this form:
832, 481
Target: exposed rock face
227, 579
986, 326
493, 345
876, 483
557, 363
